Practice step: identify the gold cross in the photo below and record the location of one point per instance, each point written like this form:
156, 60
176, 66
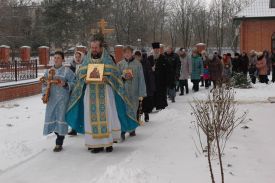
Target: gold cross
102, 28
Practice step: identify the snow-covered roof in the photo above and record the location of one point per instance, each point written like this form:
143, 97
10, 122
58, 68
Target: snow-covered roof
25, 47
257, 9
43, 47
4, 46
81, 46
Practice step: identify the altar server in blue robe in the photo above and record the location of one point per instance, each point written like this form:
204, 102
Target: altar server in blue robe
58, 100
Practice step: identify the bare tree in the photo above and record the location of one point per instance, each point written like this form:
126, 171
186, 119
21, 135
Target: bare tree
216, 118
16, 23
177, 22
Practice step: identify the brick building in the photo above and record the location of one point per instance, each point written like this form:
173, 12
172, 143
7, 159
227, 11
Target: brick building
257, 26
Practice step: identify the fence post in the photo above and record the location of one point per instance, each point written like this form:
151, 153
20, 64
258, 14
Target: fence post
15, 67
36, 70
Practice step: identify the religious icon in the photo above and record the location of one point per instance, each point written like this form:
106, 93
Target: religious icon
128, 73
95, 73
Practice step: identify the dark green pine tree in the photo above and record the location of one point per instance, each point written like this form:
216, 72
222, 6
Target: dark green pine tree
241, 80
59, 22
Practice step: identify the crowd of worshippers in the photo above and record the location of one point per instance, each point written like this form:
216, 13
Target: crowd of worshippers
139, 84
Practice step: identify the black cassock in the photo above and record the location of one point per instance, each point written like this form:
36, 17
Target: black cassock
161, 80
148, 103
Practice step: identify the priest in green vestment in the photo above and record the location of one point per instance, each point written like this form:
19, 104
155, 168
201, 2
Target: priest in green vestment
100, 109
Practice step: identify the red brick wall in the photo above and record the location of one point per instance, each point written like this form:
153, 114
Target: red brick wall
21, 90
256, 34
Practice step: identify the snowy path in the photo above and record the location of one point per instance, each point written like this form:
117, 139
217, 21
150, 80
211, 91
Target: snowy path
163, 151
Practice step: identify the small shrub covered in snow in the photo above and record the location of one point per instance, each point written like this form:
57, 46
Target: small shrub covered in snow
240, 80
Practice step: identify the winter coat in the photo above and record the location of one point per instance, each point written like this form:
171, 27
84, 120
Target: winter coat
174, 68
227, 68
197, 68
262, 66
236, 62
205, 68
206, 73
185, 67
215, 69
272, 58
252, 60
244, 64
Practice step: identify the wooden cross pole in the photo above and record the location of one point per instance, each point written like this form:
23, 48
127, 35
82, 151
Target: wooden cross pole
49, 82
102, 24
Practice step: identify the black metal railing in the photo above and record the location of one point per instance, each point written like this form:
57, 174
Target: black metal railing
17, 71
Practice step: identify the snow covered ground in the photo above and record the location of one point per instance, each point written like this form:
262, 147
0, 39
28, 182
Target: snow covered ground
163, 151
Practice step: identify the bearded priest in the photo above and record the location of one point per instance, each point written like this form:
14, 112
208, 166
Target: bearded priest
99, 107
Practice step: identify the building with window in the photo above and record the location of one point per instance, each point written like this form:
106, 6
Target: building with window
257, 26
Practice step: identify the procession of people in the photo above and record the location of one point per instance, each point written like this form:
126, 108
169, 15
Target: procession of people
105, 100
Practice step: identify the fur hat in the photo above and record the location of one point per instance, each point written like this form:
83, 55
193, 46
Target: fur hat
260, 55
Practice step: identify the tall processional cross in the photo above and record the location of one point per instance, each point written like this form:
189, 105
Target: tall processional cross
102, 24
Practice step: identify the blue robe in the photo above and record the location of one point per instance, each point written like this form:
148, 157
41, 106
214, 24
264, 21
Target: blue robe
135, 87
125, 112
58, 101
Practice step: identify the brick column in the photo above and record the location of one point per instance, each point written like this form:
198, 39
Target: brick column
4, 54
44, 55
118, 53
25, 53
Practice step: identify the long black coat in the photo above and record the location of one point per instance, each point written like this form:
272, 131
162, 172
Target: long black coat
161, 72
174, 69
149, 76
244, 64
236, 62
148, 103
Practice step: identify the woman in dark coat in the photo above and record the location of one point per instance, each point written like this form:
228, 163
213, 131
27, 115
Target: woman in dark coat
215, 70
148, 101
244, 63
236, 62
272, 58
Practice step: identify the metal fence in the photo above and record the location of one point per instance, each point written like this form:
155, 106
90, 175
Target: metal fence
17, 71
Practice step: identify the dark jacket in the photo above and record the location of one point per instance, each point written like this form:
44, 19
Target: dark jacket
174, 68
236, 64
244, 64
215, 69
272, 58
